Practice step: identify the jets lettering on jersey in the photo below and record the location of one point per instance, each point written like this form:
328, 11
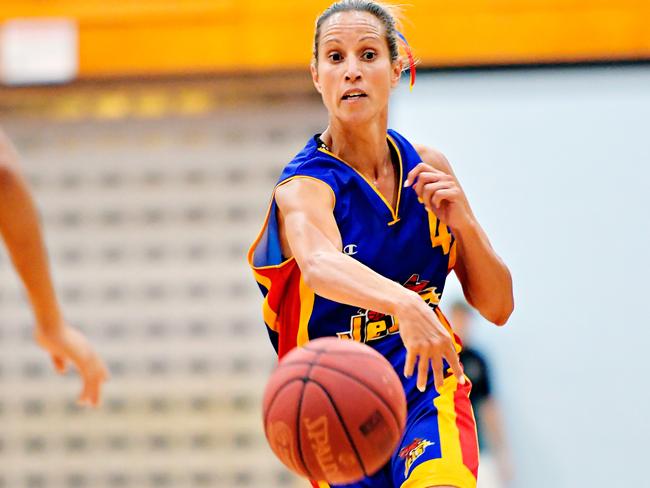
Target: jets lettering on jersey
368, 325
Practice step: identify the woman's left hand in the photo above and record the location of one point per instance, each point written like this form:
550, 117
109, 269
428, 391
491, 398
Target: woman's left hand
441, 194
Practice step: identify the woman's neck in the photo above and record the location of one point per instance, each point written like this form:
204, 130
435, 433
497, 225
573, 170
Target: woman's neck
364, 147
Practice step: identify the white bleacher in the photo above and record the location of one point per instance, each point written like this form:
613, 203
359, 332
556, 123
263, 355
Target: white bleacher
147, 226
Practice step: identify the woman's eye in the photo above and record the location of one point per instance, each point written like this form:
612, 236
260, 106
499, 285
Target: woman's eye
369, 55
336, 57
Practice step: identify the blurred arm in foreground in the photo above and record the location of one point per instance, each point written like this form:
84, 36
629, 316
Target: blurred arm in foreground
20, 229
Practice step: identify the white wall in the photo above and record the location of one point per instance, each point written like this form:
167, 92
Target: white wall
556, 164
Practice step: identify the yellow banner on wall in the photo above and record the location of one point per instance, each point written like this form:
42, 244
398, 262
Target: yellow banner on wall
155, 37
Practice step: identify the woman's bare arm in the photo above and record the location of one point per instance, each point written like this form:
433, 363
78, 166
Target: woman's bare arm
486, 280
20, 229
310, 234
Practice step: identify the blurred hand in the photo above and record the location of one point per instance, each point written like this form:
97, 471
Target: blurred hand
66, 344
427, 342
441, 194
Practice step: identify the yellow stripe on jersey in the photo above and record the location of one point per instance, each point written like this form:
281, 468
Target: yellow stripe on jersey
447, 325
452, 256
270, 317
440, 235
306, 309
393, 211
449, 469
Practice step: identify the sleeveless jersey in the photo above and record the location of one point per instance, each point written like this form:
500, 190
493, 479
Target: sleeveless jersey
406, 244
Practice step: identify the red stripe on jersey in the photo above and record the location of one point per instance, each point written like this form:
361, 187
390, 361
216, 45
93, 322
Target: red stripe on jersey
283, 298
466, 428
289, 309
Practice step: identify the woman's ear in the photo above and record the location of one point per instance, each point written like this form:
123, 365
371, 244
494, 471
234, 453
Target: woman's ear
396, 73
314, 76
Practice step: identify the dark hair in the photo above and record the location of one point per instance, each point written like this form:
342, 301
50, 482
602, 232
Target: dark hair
377, 9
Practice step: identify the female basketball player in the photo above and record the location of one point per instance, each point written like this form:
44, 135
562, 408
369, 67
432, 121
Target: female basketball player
20, 229
362, 230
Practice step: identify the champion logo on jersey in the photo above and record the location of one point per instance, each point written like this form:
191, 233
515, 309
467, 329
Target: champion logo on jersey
350, 249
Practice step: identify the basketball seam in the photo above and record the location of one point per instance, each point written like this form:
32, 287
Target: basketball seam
275, 396
268, 409
356, 379
345, 427
371, 390
298, 431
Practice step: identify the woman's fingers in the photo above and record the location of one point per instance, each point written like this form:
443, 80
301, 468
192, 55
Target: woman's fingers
431, 185
415, 173
84, 397
423, 372
59, 363
438, 373
91, 391
94, 374
431, 190
444, 194
429, 344
454, 363
436, 363
409, 364
427, 178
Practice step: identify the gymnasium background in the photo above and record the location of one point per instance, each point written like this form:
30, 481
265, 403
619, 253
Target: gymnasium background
152, 133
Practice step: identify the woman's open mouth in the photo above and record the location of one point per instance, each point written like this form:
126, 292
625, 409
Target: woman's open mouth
353, 95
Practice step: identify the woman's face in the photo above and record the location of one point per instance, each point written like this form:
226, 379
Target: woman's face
355, 74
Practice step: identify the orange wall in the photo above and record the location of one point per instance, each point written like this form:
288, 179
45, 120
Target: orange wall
130, 37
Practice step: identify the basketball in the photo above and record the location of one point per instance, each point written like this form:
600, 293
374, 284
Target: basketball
334, 410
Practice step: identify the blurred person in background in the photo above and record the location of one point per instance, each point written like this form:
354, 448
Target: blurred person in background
20, 229
496, 468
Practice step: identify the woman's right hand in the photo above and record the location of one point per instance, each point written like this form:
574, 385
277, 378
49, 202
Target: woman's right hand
427, 341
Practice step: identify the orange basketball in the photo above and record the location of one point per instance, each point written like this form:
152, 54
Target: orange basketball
334, 410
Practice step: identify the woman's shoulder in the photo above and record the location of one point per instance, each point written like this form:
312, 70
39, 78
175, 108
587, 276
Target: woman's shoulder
311, 165
310, 158
424, 153
434, 157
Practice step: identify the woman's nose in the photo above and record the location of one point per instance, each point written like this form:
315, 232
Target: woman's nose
352, 71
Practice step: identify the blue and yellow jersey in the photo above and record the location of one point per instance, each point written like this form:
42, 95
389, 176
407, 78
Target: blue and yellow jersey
406, 244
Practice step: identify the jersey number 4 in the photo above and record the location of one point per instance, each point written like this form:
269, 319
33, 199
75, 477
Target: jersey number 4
440, 235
